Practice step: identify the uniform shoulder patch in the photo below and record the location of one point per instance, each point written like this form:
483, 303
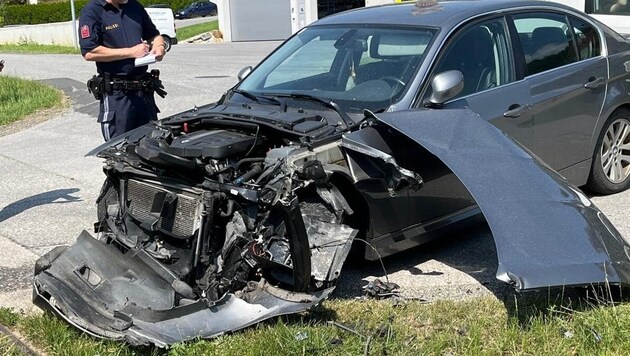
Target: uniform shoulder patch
85, 31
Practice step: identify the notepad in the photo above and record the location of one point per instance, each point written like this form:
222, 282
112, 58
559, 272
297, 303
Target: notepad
146, 60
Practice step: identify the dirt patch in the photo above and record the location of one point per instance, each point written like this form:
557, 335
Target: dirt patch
35, 118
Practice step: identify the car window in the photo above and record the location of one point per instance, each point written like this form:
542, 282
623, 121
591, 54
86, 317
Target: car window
481, 53
546, 41
358, 67
586, 38
302, 64
608, 7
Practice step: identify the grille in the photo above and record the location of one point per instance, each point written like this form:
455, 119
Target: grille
175, 212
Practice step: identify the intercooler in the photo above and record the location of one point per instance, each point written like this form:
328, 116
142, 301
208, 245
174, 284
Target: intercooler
163, 208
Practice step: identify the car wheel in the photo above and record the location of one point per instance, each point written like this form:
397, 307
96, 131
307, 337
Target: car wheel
213, 13
167, 43
610, 172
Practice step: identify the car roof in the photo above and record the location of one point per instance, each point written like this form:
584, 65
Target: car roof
444, 14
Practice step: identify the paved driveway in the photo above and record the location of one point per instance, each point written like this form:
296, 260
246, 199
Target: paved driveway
48, 187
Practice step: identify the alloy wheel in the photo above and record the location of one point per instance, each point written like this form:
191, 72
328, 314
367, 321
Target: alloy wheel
615, 151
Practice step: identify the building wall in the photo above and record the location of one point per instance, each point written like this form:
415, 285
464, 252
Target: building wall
59, 33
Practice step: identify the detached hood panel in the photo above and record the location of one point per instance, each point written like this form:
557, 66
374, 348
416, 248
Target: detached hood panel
547, 232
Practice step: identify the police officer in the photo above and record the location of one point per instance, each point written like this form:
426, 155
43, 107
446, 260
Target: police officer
113, 33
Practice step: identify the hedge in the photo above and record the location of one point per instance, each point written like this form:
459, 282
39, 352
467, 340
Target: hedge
60, 11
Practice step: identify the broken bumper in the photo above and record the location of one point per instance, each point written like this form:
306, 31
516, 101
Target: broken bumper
138, 300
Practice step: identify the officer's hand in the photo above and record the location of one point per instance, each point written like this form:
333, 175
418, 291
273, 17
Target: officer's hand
139, 50
159, 52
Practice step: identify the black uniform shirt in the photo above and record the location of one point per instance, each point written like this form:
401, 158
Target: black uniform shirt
101, 23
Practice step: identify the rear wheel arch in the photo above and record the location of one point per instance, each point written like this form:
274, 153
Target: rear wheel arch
597, 181
602, 121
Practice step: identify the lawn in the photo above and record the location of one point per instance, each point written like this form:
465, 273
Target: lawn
187, 32
35, 48
474, 327
20, 97
7, 348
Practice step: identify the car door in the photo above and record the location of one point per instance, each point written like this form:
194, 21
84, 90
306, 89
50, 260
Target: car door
493, 88
482, 52
205, 9
194, 9
567, 77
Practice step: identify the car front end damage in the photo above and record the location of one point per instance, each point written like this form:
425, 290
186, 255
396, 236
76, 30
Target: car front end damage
202, 233
208, 224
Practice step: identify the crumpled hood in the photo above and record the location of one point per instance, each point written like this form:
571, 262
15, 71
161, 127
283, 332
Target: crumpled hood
547, 232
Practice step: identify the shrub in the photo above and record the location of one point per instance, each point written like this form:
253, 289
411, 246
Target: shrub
60, 11
41, 13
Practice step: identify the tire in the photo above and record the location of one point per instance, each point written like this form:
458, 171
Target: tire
610, 171
213, 13
167, 43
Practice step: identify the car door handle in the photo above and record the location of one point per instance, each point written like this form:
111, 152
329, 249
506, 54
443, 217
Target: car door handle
516, 110
594, 83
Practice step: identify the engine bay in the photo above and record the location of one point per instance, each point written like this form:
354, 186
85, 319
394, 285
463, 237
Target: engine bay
224, 208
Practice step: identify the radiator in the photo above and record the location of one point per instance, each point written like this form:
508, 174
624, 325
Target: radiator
175, 212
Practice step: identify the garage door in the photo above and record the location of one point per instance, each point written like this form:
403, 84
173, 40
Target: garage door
255, 20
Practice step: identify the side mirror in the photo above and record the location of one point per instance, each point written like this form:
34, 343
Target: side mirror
446, 86
244, 73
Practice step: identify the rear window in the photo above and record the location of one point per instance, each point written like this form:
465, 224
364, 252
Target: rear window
546, 41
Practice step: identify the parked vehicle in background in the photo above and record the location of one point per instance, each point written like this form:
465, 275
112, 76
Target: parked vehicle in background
165, 22
198, 9
614, 13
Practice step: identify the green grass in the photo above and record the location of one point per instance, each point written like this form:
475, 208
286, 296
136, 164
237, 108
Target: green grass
7, 348
9, 319
187, 32
35, 48
476, 327
20, 97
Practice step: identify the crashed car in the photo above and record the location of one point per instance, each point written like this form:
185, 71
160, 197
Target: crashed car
382, 125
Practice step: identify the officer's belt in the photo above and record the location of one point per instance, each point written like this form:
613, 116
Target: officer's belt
128, 83
105, 83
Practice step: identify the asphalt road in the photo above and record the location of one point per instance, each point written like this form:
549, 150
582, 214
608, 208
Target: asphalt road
48, 187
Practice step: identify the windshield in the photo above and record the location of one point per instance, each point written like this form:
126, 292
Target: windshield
358, 68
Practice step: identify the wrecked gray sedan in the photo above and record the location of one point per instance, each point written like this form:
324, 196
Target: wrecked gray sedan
226, 215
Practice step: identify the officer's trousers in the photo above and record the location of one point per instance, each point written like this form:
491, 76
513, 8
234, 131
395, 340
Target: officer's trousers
122, 111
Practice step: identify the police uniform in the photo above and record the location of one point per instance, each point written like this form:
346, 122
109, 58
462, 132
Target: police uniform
102, 24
